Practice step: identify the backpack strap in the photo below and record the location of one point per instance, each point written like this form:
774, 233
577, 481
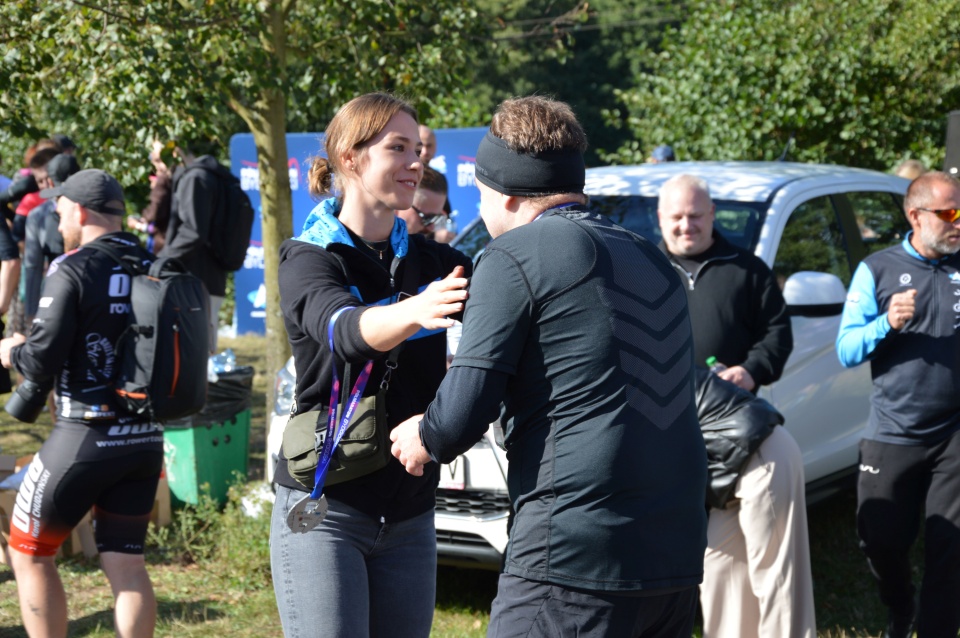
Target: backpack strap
129, 263
134, 266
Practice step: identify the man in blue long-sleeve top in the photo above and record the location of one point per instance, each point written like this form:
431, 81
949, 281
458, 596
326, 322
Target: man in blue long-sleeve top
902, 314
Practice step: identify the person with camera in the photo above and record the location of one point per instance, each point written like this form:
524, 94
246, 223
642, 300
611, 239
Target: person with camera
362, 299
98, 455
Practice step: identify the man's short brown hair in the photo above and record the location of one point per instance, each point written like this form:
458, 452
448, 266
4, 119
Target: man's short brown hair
433, 181
536, 124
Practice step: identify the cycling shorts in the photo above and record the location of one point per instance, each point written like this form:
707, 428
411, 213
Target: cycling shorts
112, 468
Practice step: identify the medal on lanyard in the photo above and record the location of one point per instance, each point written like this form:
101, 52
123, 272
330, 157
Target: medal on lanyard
310, 511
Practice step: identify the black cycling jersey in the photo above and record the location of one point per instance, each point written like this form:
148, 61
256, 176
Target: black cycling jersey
83, 312
98, 455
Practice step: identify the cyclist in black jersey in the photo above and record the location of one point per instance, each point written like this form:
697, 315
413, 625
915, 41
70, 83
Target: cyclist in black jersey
98, 455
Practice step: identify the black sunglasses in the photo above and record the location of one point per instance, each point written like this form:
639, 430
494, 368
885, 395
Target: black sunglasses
426, 219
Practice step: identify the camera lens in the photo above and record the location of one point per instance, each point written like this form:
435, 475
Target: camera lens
27, 401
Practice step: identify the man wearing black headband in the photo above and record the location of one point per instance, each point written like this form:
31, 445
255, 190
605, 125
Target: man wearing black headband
580, 330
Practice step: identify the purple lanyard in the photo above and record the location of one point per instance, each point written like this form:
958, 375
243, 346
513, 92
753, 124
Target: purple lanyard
334, 432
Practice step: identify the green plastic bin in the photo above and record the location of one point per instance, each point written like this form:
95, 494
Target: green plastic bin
205, 453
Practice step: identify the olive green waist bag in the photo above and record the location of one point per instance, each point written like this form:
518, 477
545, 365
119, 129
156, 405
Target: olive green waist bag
364, 448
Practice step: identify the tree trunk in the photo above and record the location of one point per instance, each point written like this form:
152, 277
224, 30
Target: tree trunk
277, 214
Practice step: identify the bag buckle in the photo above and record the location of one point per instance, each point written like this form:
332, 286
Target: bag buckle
391, 366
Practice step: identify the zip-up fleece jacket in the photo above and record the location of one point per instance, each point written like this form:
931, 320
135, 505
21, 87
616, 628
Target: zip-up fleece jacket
737, 311
312, 288
915, 370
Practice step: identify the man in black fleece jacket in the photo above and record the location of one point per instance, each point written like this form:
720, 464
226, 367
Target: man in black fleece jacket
196, 194
736, 307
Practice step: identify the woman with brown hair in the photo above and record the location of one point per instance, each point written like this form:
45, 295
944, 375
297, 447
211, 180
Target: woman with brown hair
354, 286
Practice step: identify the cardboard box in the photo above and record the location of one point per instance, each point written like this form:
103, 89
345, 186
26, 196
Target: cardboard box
8, 464
7, 498
161, 516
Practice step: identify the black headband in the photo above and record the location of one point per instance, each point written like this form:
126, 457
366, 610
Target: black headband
528, 174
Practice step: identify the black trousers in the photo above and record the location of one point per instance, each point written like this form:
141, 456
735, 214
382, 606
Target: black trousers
530, 609
897, 484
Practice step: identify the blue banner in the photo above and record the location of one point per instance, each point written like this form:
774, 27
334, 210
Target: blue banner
456, 149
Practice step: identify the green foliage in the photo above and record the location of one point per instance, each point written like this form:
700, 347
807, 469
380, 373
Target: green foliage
229, 543
575, 51
857, 83
115, 77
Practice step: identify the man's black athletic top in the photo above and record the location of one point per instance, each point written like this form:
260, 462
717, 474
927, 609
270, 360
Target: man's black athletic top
83, 311
581, 329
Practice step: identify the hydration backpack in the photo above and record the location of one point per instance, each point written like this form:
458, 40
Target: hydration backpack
162, 354
231, 222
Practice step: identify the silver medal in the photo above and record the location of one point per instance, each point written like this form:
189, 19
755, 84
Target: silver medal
307, 514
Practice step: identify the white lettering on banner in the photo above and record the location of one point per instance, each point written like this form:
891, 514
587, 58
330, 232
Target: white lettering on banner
465, 173
249, 178
439, 164
254, 258
119, 285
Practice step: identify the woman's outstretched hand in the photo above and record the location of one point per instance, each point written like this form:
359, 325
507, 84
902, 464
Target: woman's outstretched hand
433, 306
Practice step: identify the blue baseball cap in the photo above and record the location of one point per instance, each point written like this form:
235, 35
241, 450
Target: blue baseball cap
663, 153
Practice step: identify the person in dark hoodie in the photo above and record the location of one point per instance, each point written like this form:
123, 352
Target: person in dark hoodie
369, 568
196, 193
736, 307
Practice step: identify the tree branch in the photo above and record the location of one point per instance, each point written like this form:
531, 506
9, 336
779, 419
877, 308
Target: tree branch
178, 24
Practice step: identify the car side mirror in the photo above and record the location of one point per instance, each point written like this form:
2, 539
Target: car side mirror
814, 294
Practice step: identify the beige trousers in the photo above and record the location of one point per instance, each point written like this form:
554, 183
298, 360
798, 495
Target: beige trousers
756, 573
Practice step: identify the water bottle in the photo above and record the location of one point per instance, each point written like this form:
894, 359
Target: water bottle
715, 366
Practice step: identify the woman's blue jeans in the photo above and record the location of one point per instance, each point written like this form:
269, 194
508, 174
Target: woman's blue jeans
352, 575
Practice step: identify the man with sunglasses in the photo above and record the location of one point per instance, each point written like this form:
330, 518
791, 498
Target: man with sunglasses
427, 210
903, 314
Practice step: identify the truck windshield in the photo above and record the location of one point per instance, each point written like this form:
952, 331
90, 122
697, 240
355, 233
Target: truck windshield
740, 222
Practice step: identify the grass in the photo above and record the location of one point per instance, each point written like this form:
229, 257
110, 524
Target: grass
211, 572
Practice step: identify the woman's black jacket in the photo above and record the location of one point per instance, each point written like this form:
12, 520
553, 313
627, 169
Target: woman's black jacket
314, 284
